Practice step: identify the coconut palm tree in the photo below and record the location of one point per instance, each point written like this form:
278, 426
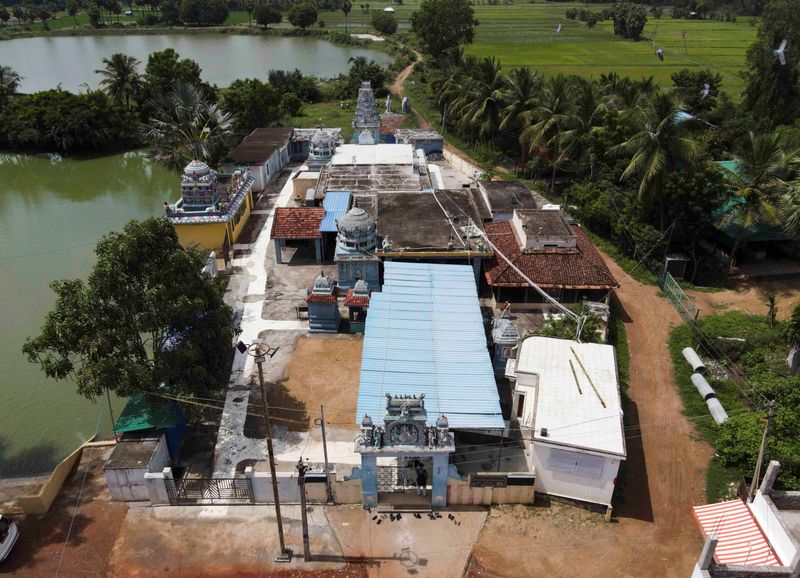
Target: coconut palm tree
121, 78
520, 98
552, 117
9, 80
481, 103
662, 145
185, 126
760, 164
585, 120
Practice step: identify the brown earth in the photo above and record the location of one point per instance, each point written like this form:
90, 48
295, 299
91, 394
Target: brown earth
97, 522
747, 296
653, 533
324, 370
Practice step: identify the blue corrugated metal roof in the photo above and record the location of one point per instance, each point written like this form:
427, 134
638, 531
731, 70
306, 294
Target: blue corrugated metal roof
336, 204
424, 334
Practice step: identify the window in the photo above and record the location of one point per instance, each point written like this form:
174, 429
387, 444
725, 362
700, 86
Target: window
576, 463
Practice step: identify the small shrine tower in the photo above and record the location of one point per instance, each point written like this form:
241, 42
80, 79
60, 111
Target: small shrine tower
366, 120
323, 306
356, 239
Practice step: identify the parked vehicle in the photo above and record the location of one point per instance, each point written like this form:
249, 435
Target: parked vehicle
8, 536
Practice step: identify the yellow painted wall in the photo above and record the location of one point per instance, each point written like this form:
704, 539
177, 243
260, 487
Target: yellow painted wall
211, 236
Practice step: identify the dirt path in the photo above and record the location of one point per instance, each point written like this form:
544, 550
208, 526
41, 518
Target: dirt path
653, 533
747, 297
397, 88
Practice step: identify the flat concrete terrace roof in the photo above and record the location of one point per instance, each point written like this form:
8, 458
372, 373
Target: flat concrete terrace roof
371, 179
260, 144
548, 223
505, 196
424, 334
573, 413
422, 221
132, 454
377, 154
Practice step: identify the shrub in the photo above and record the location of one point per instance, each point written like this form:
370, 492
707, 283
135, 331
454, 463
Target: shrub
384, 23
303, 15
266, 15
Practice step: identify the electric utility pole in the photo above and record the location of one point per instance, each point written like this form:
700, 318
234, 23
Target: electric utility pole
285, 555
301, 482
328, 489
771, 407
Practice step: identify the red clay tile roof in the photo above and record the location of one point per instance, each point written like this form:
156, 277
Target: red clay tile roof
352, 300
323, 297
578, 268
297, 223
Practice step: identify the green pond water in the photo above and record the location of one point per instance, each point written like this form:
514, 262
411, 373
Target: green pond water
52, 212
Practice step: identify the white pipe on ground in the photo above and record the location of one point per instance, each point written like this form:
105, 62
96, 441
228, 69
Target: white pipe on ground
690, 355
710, 397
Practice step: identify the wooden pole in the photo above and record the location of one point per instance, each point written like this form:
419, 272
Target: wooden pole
771, 413
301, 482
328, 489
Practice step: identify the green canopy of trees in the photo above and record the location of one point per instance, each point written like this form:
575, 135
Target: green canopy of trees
629, 19
146, 316
442, 25
384, 22
203, 12
253, 104
302, 15
266, 15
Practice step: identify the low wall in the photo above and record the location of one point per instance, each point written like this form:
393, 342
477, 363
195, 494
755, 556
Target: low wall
40, 503
460, 493
455, 161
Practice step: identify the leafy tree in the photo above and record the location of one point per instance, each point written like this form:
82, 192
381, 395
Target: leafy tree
520, 100
442, 25
72, 7
45, 12
384, 22
146, 316
121, 78
773, 90
62, 121
9, 80
565, 327
5, 15
346, 7
171, 11
95, 17
203, 12
760, 162
661, 146
362, 70
304, 87
249, 6
480, 105
18, 12
690, 85
266, 15
302, 15
253, 104
291, 105
185, 126
629, 19
791, 331
165, 68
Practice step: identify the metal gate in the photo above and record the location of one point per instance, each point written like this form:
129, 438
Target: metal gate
200, 491
399, 478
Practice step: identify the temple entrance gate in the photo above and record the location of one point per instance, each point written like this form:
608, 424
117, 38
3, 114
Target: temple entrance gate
395, 455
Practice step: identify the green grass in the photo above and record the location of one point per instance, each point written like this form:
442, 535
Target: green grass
524, 35
328, 114
733, 324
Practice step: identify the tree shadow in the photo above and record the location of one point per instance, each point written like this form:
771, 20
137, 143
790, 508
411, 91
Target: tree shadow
39, 459
619, 309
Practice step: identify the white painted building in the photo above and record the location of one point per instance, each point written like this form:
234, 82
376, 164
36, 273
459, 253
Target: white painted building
567, 395
265, 152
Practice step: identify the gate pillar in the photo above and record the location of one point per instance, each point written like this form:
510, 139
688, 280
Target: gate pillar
369, 481
439, 485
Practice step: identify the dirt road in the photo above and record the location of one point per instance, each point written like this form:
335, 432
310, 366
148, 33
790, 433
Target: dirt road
653, 533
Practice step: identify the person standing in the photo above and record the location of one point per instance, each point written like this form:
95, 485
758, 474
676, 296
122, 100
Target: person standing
422, 481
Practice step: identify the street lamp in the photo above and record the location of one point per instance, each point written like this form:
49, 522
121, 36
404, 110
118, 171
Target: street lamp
259, 351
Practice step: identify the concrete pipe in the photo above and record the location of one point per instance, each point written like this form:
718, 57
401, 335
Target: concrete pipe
694, 360
702, 386
717, 411
710, 397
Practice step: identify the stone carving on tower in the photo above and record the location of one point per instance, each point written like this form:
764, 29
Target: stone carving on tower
366, 120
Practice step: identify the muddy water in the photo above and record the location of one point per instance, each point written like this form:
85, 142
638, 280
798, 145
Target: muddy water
71, 61
52, 212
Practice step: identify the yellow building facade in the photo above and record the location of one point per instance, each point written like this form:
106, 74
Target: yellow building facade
213, 208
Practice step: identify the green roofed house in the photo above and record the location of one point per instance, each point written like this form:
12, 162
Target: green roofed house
150, 431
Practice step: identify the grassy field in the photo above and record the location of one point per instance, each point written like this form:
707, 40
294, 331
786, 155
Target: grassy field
524, 35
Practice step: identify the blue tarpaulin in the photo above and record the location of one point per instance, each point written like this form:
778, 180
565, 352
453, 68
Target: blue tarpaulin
424, 334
